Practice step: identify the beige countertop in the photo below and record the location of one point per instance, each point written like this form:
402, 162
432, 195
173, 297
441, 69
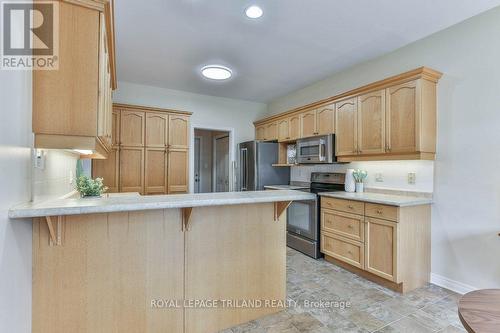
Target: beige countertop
384, 199
134, 202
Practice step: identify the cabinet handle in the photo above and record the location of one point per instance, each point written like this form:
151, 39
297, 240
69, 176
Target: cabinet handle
350, 226
350, 207
379, 211
350, 252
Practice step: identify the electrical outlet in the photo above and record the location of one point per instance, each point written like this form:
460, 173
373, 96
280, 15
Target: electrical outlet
412, 178
39, 159
379, 177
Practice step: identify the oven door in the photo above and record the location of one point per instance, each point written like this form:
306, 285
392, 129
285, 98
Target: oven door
302, 219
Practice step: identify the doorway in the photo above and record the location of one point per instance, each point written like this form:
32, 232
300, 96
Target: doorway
211, 161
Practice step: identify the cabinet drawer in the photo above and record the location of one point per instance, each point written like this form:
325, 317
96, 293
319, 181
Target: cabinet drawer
344, 249
348, 206
382, 211
343, 224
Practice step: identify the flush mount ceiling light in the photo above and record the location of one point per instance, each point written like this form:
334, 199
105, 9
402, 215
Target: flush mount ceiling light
216, 72
254, 12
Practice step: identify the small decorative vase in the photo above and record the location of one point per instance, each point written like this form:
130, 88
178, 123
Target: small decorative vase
360, 187
349, 184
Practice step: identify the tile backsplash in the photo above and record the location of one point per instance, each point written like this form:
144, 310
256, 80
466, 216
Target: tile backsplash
56, 177
394, 174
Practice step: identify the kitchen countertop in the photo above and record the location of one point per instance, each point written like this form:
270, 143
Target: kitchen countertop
76, 206
286, 187
378, 198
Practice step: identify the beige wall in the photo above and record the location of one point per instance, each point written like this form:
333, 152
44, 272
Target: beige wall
466, 212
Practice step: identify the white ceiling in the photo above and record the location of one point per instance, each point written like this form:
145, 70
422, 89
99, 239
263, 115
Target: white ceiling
164, 43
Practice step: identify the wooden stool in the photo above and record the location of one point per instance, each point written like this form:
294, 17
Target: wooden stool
479, 311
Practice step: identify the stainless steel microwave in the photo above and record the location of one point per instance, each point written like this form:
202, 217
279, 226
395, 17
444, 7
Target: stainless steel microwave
316, 150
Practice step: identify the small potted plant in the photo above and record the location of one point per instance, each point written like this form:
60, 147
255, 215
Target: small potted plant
89, 187
359, 177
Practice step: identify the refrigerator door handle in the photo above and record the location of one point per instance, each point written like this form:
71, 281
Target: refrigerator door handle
244, 169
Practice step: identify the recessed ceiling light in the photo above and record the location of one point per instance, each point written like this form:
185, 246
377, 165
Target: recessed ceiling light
254, 12
216, 72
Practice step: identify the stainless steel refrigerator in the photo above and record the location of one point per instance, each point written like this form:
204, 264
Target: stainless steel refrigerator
255, 166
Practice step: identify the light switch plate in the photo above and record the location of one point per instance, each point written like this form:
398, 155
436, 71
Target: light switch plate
379, 177
412, 178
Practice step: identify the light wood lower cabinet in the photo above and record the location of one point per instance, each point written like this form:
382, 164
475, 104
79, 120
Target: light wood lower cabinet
155, 174
132, 169
178, 170
381, 248
388, 244
344, 249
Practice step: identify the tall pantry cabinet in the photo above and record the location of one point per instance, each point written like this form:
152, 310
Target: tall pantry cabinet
150, 151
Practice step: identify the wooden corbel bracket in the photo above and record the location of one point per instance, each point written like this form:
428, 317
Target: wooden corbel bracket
55, 230
279, 208
186, 218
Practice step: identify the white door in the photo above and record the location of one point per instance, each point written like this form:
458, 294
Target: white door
222, 164
197, 154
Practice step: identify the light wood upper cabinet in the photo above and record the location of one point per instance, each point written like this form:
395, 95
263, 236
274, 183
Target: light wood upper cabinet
178, 171
346, 129
178, 131
294, 124
107, 169
156, 130
371, 123
402, 116
155, 174
272, 131
260, 132
391, 119
132, 127
381, 248
283, 129
132, 169
308, 124
72, 105
325, 122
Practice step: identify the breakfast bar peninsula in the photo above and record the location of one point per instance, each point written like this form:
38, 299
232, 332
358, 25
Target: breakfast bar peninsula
171, 263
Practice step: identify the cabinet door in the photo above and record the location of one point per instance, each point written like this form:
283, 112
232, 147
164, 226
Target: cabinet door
294, 127
156, 130
155, 175
178, 171
346, 127
381, 247
402, 120
132, 128
178, 131
108, 170
115, 127
308, 124
260, 132
283, 129
272, 131
326, 120
371, 123
132, 169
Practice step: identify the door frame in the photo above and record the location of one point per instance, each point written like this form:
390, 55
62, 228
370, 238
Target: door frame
200, 138
214, 161
232, 153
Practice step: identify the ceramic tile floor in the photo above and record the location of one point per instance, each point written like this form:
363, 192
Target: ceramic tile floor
373, 307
